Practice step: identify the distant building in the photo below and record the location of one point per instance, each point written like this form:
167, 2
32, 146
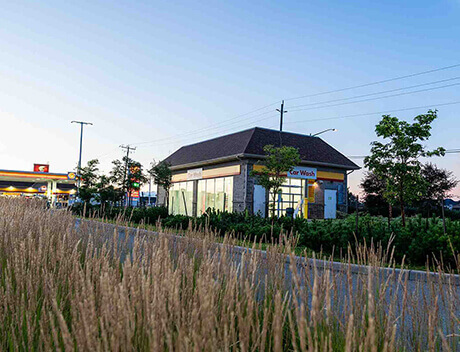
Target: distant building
452, 204
216, 174
57, 188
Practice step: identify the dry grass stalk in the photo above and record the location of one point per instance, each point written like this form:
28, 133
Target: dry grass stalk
91, 288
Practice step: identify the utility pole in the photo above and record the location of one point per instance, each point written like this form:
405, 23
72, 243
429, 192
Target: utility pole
150, 187
82, 123
128, 148
281, 111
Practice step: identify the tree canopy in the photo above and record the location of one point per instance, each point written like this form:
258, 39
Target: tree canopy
162, 175
278, 161
396, 159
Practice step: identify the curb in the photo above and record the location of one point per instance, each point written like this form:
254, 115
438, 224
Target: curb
321, 264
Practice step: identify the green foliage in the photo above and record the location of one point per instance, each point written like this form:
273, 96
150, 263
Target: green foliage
439, 182
162, 175
148, 215
420, 240
96, 187
397, 161
278, 161
89, 178
127, 175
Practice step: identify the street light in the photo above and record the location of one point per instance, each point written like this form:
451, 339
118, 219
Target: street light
329, 129
79, 158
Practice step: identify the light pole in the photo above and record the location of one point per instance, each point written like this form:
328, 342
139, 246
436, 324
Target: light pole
329, 129
79, 157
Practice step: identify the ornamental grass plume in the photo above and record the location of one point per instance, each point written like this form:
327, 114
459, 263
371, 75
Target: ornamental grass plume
81, 285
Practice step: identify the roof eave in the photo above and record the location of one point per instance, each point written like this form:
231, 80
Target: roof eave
308, 162
255, 156
206, 162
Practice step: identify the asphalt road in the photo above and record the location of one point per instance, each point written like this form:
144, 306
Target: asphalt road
403, 285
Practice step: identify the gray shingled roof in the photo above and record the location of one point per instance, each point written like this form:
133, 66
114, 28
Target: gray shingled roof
252, 141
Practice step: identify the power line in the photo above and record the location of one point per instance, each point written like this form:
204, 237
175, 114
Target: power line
374, 113
377, 82
128, 148
378, 98
102, 156
323, 119
448, 151
377, 93
213, 133
318, 107
213, 126
225, 123
346, 103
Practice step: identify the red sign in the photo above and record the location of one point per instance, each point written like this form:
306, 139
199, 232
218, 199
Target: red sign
41, 168
134, 194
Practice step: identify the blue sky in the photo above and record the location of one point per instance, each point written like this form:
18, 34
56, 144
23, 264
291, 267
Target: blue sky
174, 73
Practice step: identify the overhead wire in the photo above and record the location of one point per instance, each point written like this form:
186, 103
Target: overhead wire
212, 126
226, 123
378, 98
377, 93
374, 113
376, 82
448, 151
213, 133
156, 142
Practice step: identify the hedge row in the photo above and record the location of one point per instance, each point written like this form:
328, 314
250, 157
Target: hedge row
422, 238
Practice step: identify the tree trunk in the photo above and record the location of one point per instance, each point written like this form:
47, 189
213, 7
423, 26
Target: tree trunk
401, 200
167, 199
274, 205
443, 216
357, 216
403, 215
390, 214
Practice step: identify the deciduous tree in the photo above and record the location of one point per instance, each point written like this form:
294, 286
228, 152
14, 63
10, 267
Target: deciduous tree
278, 161
89, 177
397, 158
162, 175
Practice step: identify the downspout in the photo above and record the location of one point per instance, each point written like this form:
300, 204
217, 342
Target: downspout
245, 188
346, 192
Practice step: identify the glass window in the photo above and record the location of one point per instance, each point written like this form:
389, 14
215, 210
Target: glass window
292, 193
228, 194
181, 198
201, 200
220, 195
216, 193
210, 193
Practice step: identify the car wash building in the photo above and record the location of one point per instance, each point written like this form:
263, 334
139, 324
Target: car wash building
216, 173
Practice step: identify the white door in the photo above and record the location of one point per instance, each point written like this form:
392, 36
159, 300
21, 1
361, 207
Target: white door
259, 200
330, 203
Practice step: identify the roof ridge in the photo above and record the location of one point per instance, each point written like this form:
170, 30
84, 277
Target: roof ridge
287, 132
250, 138
225, 135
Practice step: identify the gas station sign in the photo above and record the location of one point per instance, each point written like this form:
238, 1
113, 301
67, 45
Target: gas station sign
41, 168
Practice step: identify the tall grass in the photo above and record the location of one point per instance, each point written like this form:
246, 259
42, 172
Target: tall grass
92, 288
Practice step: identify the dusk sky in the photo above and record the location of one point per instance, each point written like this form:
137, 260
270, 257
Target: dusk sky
162, 74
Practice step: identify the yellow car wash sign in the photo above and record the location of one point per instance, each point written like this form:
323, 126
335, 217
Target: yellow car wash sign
308, 173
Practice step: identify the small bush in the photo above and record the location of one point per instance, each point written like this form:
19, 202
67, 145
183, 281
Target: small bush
421, 240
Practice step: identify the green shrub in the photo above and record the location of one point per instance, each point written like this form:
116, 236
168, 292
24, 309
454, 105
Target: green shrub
420, 240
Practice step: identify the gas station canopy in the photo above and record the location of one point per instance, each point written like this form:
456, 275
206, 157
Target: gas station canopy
30, 183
